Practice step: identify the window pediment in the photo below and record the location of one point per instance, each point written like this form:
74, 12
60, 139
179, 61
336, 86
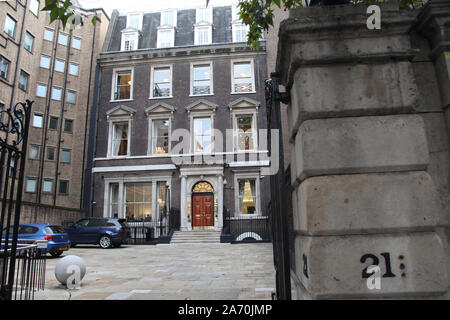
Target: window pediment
244, 103
201, 106
120, 111
160, 108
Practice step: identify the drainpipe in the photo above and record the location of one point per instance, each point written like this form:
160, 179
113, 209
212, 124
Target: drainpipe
61, 117
87, 119
93, 134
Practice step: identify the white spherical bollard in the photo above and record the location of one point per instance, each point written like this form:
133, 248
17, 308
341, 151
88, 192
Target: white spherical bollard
70, 266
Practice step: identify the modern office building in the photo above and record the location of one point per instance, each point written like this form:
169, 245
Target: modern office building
55, 68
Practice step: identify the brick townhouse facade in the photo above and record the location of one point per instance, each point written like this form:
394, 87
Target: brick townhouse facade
163, 72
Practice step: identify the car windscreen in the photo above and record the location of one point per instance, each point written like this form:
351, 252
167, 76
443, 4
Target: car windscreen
54, 230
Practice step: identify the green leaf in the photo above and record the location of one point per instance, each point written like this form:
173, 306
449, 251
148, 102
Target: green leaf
94, 20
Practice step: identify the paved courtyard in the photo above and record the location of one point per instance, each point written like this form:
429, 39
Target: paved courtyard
180, 271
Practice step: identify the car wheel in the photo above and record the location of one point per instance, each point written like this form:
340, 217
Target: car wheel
73, 245
56, 253
105, 242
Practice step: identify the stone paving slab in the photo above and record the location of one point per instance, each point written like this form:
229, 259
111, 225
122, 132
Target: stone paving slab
176, 272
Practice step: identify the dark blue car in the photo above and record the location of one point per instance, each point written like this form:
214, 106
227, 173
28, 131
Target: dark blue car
57, 238
107, 232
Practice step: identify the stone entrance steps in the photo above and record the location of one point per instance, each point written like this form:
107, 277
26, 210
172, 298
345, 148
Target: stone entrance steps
201, 236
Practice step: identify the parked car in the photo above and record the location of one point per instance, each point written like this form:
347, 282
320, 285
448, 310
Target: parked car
57, 238
107, 232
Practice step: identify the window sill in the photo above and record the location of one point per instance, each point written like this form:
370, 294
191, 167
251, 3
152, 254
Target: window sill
201, 95
122, 100
159, 155
165, 97
246, 151
247, 92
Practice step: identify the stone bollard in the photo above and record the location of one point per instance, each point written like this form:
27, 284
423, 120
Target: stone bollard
70, 270
366, 207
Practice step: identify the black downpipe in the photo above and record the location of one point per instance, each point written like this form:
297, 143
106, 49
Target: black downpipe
278, 203
89, 181
85, 171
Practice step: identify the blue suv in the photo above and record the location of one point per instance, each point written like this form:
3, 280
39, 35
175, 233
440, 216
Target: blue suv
107, 232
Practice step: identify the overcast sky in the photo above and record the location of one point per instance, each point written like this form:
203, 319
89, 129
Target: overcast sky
125, 6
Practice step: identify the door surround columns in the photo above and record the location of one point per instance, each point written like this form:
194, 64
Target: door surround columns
189, 177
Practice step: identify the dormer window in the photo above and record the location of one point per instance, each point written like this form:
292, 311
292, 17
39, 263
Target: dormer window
169, 18
166, 38
235, 14
130, 35
203, 26
134, 20
204, 15
239, 30
130, 41
166, 30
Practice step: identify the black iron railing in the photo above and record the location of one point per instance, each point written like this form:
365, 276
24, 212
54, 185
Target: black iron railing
278, 205
250, 229
152, 232
29, 270
14, 124
245, 228
142, 232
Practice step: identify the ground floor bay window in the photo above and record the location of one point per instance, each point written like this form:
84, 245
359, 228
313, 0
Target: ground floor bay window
136, 201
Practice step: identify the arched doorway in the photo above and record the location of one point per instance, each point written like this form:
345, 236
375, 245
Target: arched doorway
202, 205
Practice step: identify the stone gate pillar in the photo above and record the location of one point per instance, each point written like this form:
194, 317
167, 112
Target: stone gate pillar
433, 24
362, 195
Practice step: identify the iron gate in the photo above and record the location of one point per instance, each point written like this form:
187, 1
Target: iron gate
14, 124
278, 203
